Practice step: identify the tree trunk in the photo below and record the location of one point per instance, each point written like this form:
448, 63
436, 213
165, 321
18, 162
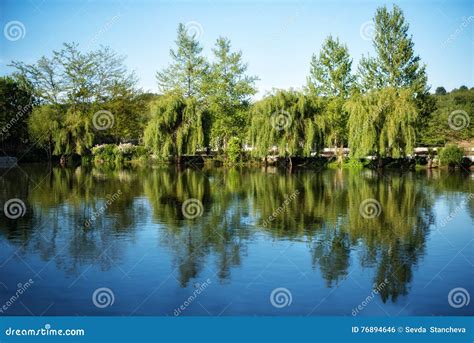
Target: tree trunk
430, 162
379, 162
340, 155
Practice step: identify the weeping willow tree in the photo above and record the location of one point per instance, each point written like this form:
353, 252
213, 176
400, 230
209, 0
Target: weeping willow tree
61, 130
382, 122
178, 127
288, 121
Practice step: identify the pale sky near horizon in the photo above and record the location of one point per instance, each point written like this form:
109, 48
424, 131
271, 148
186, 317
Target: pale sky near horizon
277, 38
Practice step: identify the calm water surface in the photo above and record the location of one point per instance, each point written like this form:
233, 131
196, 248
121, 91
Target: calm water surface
86, 229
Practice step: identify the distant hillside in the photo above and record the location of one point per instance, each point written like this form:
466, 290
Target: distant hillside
452, 120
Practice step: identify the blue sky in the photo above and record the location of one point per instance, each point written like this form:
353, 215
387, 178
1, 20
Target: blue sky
277, 38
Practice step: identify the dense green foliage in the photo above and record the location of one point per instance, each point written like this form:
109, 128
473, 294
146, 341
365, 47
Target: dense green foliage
287, 121
80, 96
228, 90
382, 123
234, 150
451, 155
185, 75
177, 126
451, 121
16, 103
331, 78
74, 100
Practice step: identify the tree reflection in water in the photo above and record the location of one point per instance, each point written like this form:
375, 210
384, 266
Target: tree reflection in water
324, 215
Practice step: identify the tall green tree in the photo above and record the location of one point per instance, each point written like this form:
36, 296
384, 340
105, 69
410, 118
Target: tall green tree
395, 63
185, 74
330, 77
330, 73
229, 90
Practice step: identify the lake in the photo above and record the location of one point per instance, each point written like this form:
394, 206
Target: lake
221, 242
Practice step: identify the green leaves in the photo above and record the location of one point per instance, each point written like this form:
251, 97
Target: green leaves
330, 73
73, 85
228, 91
287, 120
382, 122
185, 74
177, 127
395, 63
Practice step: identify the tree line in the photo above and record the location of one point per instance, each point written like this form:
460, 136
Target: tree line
73, 100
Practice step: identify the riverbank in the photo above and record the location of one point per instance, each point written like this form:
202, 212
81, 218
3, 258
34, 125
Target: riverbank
119, 155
